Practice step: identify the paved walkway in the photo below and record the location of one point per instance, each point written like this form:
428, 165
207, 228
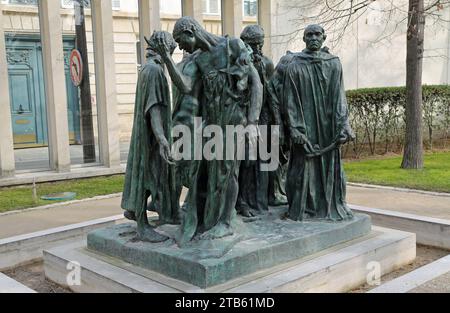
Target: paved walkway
405, 202
37, 220
32, 221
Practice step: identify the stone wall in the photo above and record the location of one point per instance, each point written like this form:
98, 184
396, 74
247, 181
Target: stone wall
371, 60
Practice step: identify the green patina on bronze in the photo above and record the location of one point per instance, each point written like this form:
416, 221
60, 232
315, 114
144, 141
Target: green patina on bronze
256, 246
227, 82
148, 170
224, 81
224, 68
186, 109
315, 111
258, 189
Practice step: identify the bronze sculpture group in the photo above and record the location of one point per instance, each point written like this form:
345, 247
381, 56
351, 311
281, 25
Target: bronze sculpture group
228, 81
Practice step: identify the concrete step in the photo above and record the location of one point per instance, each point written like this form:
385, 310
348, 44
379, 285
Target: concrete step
430, 231
9, 285
338, 269
416, 278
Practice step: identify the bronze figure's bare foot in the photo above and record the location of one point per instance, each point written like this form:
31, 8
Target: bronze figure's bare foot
246, 212
278, 201
219, 231
129, 215
148, 234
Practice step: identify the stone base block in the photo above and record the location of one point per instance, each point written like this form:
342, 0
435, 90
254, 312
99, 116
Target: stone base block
256, 246
336, 269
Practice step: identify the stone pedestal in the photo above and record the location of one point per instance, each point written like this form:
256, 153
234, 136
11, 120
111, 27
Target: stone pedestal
269, 254
337, 269
256, 245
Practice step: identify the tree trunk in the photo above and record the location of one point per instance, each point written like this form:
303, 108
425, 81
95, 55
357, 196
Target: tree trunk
413, 153
430, 136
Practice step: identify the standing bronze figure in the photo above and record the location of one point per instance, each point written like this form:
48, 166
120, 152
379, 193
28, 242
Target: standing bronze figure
149, 172
315, 109
224, 66
257, 188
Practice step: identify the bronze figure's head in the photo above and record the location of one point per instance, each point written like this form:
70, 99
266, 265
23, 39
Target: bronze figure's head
253, 35
314, 37
153, 42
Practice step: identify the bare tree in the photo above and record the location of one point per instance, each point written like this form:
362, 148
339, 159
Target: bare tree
415, 37
337, 16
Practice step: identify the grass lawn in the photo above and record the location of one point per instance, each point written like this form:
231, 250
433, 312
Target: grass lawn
384, 171
434, 177
21, 197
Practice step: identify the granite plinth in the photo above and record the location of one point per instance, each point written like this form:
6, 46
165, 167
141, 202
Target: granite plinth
261, 244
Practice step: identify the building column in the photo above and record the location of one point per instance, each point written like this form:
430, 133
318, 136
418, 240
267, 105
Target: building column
55, 84
105, 82
232, 11
193, 8
7, 163
448, 48
266, 18
149, 21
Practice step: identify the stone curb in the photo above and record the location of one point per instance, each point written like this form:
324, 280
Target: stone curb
430, 231
430, 193
23, 249
416, 278
9, 285
50, 206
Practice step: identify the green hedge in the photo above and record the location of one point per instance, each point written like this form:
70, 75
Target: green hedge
377, 116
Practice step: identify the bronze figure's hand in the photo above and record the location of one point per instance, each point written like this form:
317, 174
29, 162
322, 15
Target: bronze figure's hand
346, 135
162, 47
297, 137
164, 151
253, 134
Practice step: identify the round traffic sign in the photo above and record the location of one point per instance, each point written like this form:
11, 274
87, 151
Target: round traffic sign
76, 67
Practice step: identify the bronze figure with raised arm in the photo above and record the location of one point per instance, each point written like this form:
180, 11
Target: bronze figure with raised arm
226, 72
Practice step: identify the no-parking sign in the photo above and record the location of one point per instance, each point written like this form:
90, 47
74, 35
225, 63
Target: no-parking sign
76, 67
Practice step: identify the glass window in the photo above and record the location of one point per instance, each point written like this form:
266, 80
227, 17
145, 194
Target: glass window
26, 87
67, 4
211, 7
21, 2
250, 8
212, 16
170, 7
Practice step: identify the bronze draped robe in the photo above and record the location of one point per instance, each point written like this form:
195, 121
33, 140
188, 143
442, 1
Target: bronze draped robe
211, 181
147, 173
314, 103
253, 182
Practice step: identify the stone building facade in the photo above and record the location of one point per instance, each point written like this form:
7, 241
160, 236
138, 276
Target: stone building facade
35, 43
44, 144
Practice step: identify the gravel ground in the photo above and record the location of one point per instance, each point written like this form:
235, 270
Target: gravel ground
425, 255
438, 285
33, 277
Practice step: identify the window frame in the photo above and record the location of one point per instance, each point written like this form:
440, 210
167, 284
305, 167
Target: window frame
116, 4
